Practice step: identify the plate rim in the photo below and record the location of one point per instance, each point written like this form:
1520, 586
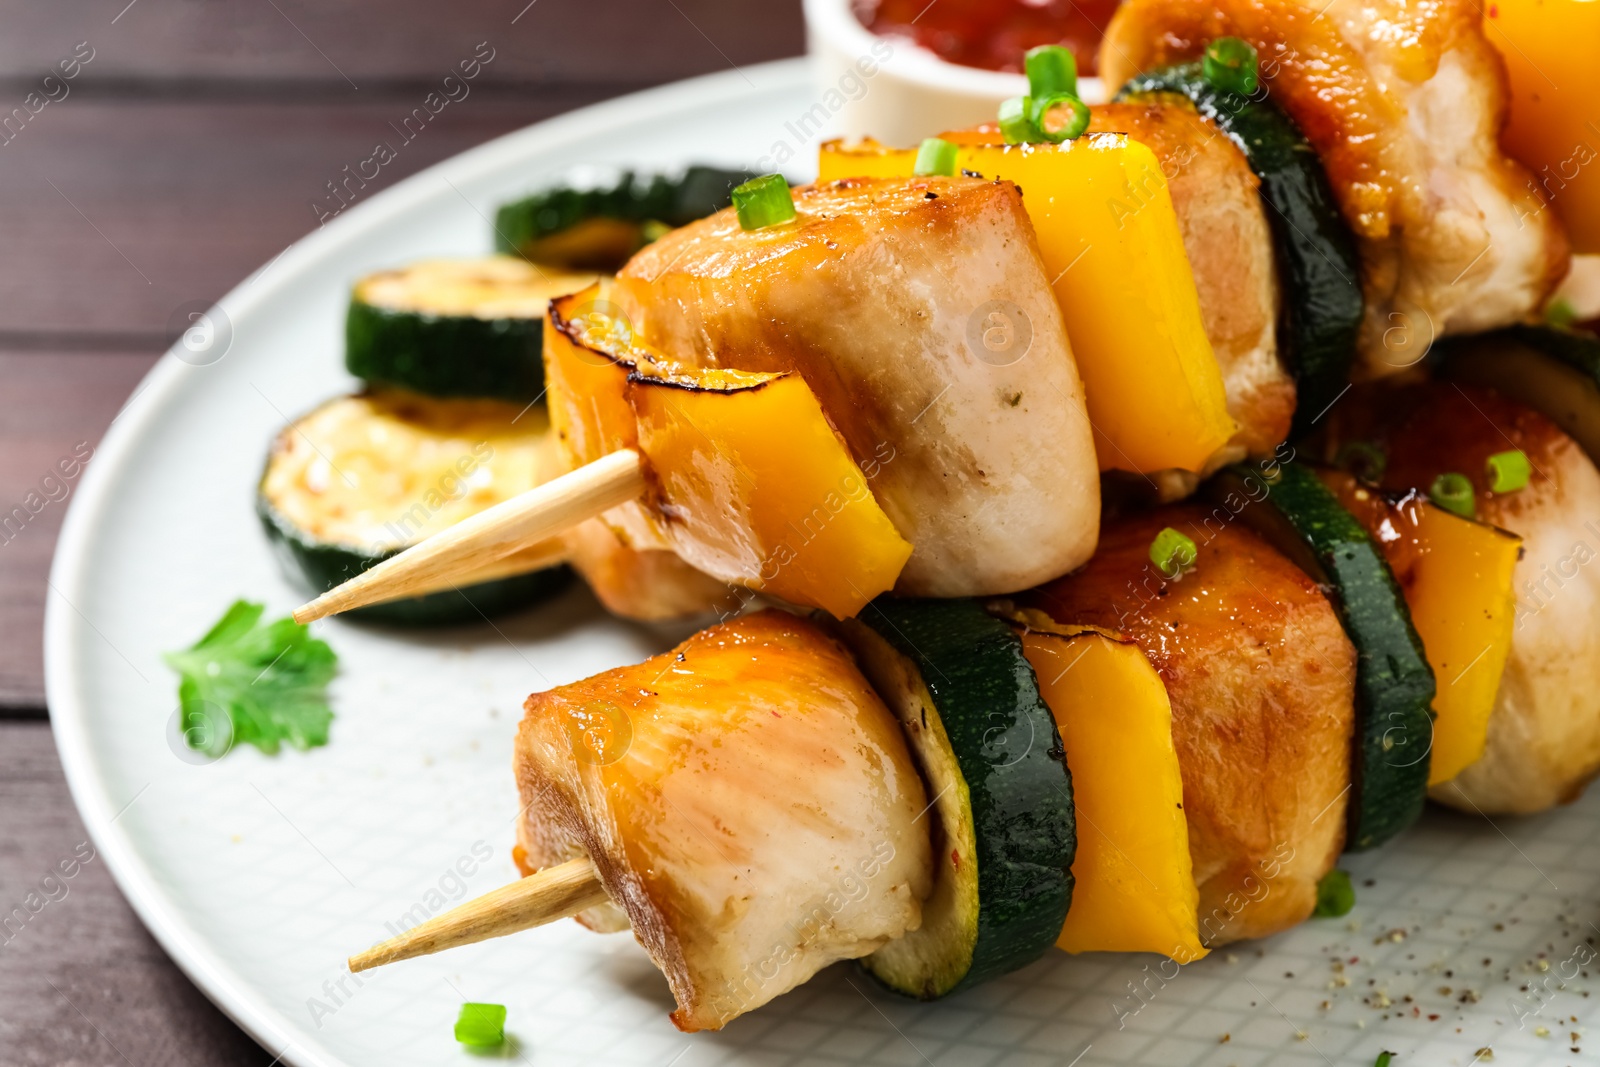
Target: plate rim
68, 708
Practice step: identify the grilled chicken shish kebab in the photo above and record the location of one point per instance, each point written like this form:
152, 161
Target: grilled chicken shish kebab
1543, 742
1174, 338
861, 296
1162, 751
1126, 759
829, 473
1405, 104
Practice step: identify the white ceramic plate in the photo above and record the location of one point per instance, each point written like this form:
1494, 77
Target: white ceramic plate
259, 875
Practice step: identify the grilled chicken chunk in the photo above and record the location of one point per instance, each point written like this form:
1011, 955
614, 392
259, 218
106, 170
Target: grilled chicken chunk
1262, 683
1404, 103
1230, 250
920, 314
1544, 732
748, 801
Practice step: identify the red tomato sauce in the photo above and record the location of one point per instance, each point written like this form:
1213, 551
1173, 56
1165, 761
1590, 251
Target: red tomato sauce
992, 34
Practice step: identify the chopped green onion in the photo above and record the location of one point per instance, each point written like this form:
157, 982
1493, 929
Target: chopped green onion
1060, 106
936, 156
1508, 471
1230, 65
763, 201
1051, 69
1364, 460
1561, 314
1335, 895
481, 1025
1383, 1059
1016, 121
1454, 492
1172, 552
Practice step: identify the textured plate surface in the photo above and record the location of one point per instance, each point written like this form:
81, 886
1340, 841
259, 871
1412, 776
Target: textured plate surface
260, 875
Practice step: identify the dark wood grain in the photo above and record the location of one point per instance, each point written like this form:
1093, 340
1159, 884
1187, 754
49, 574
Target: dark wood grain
562, 42
117, 212
184, 154
81, 981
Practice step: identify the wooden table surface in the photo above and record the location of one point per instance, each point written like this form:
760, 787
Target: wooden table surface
186, 151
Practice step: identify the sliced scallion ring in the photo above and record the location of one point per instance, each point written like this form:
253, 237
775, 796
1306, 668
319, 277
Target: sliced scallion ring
935, 156
1335, 895
764, 201
1363, 459
1454, 492
1051, 69
1060, 117
1231, 65
1560, 314
1016, 121
481, 1025
1173, 552
1508, 471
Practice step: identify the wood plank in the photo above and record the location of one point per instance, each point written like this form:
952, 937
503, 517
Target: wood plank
116, 213
81, 981
57, 406
647, 41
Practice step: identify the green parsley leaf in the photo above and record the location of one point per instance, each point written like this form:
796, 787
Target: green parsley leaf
254, 683
1335, 895
1383, 1059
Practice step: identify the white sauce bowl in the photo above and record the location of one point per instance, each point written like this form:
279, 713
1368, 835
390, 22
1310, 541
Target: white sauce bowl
897, 92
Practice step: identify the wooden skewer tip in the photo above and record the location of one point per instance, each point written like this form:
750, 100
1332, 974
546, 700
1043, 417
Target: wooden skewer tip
557, 892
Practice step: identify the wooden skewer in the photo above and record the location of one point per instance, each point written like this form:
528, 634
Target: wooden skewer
488, 536
553, 893
523, 561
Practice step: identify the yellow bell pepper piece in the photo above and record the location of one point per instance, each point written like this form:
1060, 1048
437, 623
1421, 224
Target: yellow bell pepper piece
864, 159
1555, 83
760, 489
589, 350
586, 375
1113, 250
1456, 577
752, 483
1134, 887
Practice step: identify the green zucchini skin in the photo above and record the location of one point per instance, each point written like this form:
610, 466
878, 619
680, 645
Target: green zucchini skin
1317, 263
1010, 754
320, 566
1395, 688
445, 355
674, 200
1578, 349
1554, 371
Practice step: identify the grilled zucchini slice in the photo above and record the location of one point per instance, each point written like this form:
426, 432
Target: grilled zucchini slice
598, 226
1556, 372
362, 477
992, 759
1317, 262
456, 327
1303, 519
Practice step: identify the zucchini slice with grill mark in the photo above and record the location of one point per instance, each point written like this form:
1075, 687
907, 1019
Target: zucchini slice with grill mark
1555, 372
1317, 262
1302, 518
362, 477
988, 747
456, 327
599, 227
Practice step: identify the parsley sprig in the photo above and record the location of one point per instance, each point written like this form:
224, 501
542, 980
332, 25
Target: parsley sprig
254, 683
